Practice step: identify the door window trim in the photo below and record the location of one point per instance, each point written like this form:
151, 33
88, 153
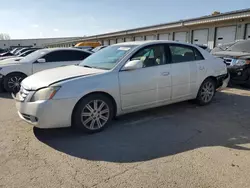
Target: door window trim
184, 46
166, 55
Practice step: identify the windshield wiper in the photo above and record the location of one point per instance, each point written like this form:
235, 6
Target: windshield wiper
88, 66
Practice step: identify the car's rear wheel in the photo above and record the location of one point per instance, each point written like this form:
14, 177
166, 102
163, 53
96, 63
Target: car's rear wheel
12, 82
93, 113
206, 92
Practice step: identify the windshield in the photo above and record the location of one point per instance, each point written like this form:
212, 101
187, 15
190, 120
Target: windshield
106, 58
241, 46
33, 56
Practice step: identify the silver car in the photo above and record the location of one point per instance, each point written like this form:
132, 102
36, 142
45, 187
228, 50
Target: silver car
120, 79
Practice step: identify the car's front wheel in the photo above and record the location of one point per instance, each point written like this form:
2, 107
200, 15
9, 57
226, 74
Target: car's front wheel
93, 113
206, 92
12, 82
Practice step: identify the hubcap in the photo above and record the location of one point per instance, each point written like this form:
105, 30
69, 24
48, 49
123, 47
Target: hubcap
207, 92
95, 114
14, 83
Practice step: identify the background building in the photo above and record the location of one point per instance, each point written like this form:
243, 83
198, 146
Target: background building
32, 42
212, 30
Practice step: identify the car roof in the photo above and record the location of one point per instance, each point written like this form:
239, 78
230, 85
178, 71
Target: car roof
148, 42
64, 49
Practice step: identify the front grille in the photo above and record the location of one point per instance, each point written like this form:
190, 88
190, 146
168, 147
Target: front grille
228, 61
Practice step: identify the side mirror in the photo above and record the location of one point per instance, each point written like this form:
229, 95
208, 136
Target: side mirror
132, 65
41, 60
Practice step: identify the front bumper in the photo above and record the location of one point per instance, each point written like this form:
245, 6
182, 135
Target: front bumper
239, 74
223, 81
47, 114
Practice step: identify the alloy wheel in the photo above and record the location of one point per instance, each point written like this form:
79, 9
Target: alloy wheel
207, 92
14, 83
95, 114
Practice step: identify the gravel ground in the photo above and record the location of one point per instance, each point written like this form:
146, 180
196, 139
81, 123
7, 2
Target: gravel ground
180, 145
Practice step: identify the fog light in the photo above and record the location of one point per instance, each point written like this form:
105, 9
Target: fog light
33, 119
239, 73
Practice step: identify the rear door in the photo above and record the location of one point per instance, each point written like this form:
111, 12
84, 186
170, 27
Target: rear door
183, 71
60, 58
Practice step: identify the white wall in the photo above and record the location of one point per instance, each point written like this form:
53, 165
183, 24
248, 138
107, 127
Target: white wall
31, 42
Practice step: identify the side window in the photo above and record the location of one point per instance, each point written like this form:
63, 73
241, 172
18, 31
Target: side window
198, 55
82, 55
151, 56
76, 55
181, 53
65, 55
55, 56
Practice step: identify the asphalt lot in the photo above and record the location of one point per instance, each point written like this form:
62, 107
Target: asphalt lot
180, 145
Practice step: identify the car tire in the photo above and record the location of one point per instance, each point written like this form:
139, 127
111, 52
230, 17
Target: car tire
12, 82
93, 113
206, 92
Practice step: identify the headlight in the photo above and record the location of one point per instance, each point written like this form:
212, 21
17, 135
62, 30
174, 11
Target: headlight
45, 94
241, 62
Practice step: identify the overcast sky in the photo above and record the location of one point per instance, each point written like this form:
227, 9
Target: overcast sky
61, 18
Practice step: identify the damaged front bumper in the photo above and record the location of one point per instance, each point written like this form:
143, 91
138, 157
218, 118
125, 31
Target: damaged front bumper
223, 81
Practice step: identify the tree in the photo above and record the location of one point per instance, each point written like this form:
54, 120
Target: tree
4, 36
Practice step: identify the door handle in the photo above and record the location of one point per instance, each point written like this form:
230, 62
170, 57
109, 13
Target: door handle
165, 73
202, 67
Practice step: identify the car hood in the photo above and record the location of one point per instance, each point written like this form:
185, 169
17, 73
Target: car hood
52, 76
6, 57
232, 54
8, 62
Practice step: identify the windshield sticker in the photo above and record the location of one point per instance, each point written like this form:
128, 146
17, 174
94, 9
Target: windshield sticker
124, 48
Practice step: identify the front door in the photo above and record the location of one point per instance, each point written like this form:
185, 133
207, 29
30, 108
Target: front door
139, 88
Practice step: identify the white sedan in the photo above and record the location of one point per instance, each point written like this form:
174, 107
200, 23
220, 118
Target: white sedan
120, 79
12, 72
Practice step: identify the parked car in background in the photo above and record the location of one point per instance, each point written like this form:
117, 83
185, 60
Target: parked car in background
204, 47
6, 54
96, 49
2, 50
12, 73
21, 50
237, 59
222, 47
120, 79
17, 58
88, 48
88, 44
23, 54
14, 50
